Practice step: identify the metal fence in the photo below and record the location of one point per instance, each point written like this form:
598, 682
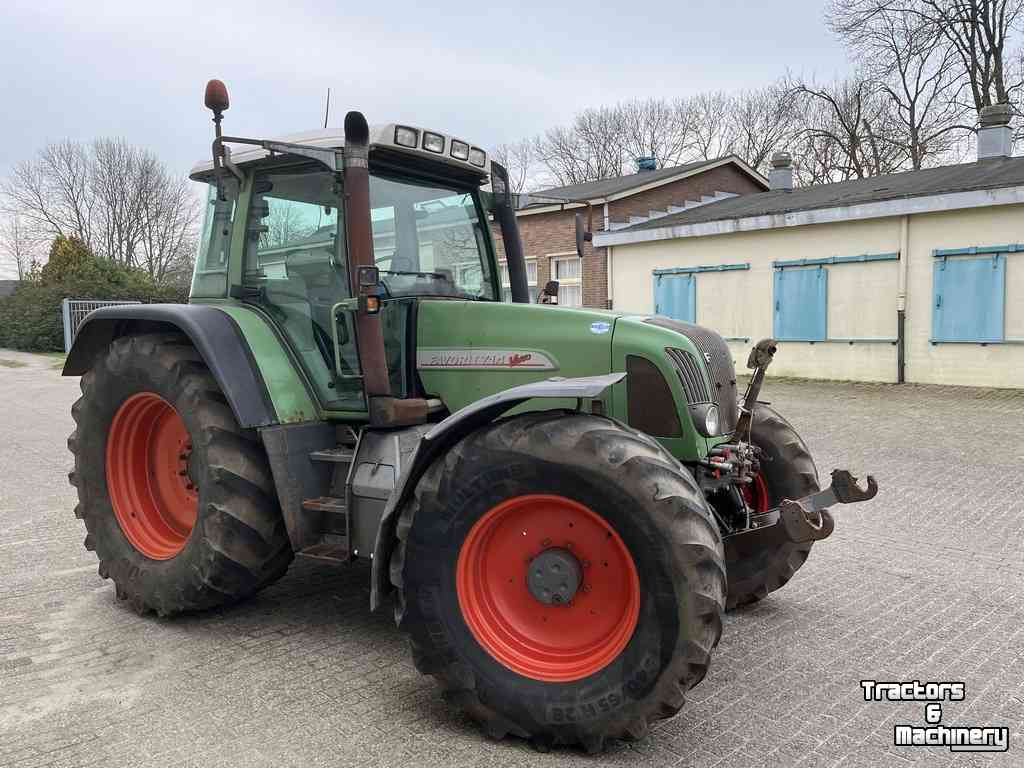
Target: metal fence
75, 311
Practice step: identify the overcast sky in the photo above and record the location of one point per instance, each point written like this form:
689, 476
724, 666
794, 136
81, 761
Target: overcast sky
137, 68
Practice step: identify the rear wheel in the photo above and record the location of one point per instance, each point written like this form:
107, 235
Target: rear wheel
177, 500
763, 561
561, 577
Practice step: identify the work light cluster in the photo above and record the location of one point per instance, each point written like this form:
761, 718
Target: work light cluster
434, 142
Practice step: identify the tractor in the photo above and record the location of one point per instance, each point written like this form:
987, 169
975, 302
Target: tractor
559, 503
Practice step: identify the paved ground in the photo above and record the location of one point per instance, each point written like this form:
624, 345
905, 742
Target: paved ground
925, 582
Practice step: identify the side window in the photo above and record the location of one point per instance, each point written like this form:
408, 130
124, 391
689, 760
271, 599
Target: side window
675, 296
969, 300
382, 222
801, 304
211, 269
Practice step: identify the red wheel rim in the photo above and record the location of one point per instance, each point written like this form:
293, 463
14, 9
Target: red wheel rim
556, 643
154, 500
756, 494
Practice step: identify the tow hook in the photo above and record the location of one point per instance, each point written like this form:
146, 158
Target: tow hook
806, 519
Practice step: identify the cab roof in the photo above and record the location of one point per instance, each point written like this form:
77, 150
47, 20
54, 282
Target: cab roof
381, 137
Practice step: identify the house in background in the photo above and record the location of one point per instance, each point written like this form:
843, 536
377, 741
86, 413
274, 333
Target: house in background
547, 224
915, 276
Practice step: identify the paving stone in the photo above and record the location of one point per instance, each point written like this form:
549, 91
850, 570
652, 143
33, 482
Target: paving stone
925, 582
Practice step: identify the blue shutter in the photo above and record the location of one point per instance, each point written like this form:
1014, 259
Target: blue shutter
675, 296
969, 298
801, 304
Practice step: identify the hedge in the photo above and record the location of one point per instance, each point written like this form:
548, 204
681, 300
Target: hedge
30, 318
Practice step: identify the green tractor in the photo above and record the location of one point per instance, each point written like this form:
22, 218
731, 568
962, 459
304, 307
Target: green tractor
560, 502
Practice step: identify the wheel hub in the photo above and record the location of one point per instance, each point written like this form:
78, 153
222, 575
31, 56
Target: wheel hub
548, 588
149, 482
554, 576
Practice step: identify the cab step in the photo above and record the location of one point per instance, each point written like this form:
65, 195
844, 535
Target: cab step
332, 544
341, 455
330, 504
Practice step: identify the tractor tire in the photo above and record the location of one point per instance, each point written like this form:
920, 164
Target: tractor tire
603, 661
178, 501
761, 562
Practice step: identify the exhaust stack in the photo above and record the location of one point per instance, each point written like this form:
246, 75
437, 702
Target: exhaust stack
369, 333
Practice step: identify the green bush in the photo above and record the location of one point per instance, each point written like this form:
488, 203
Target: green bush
30, 318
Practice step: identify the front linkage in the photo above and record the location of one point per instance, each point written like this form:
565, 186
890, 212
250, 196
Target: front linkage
731, 466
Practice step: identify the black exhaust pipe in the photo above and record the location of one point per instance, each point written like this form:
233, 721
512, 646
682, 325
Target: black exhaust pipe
359, 234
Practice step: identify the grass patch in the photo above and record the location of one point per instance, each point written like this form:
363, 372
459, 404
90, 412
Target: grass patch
12, 364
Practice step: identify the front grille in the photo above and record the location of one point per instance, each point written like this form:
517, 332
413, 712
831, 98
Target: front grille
691, 376
721, 372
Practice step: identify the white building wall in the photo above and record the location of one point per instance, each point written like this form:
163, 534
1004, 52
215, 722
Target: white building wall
862, 297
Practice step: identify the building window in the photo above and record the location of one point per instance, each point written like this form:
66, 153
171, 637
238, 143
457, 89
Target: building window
675, 296
568, 271
801, 304
970, 297
531, 281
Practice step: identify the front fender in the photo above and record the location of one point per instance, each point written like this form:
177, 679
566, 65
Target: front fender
448, 432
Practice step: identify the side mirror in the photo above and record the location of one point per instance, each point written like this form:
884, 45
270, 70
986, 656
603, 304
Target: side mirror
583, 233
550, 293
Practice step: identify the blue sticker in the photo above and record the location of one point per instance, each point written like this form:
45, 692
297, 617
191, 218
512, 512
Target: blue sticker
600, 327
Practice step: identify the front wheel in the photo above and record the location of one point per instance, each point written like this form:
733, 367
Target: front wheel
562, 578
763, 561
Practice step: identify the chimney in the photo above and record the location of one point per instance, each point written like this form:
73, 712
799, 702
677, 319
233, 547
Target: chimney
995, 139
781, 174
646, 164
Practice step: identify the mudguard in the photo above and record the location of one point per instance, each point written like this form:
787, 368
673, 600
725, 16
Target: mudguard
448, 432
214, 333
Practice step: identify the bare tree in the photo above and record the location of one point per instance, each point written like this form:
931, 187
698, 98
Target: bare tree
978, 31
761, 121
909, 59
114, 197
843, 125
711, 130
654, 128
52, 191
589, 149
17, 243
167, 231
519, 159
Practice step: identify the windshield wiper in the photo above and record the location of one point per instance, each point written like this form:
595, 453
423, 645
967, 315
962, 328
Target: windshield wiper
435, 275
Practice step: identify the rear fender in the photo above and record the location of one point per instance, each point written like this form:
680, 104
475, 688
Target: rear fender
225, 348
446, 434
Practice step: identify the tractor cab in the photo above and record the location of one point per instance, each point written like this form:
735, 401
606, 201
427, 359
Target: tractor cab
281, 227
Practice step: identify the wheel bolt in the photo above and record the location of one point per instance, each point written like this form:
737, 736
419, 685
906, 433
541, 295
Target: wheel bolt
546, 543
586, 587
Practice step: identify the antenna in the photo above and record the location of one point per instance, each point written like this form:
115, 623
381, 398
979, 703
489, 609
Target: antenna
327, 109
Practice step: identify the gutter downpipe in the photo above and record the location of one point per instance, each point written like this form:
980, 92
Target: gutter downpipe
901, 301
608, 265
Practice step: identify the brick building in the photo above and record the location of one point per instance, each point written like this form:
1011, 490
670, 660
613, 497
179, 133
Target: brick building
548, 228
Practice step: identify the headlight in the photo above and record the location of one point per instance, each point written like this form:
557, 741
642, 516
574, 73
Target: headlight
406, 137
706, 419
460, 150
433, 142
478, 157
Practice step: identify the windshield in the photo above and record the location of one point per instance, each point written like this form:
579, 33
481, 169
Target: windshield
428, 240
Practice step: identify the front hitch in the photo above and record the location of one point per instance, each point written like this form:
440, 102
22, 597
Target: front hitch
806, 519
